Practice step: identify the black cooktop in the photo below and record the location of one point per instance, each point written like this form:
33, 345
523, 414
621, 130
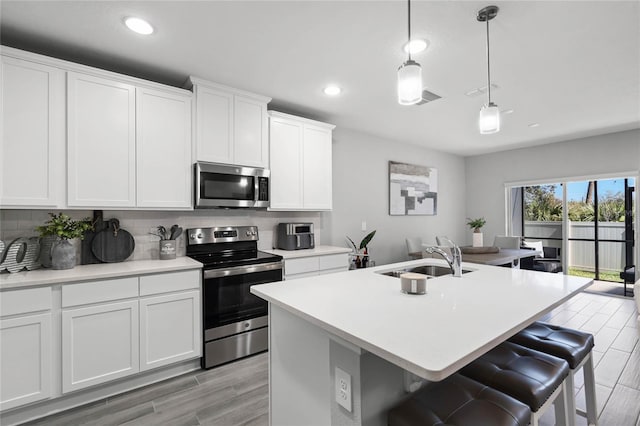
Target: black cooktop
228, 259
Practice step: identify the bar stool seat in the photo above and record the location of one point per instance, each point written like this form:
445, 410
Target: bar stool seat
574, 347
534, 378
459, 401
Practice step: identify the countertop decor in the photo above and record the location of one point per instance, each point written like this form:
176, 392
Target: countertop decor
61, 226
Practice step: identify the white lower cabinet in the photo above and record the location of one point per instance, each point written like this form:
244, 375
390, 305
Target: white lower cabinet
99, 344
25, 357
315, 265
169, 329
115, 328
170, 321
25, 347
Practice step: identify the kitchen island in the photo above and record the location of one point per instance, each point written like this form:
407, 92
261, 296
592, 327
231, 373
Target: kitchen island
358, 322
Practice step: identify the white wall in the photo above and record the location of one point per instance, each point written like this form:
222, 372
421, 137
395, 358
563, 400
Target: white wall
361, 193
486, 175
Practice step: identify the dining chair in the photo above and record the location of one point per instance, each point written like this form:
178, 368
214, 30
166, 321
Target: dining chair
506, 242
414, 247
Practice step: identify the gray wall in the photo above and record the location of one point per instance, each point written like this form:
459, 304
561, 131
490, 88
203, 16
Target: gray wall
361, 193
486, 175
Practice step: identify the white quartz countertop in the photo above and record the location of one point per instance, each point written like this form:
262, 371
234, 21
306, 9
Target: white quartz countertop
430, 335
317, 251
95, 271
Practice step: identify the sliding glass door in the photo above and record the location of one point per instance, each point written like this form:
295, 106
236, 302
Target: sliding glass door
589, 224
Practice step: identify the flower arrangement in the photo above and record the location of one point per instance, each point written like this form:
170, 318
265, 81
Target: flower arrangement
62, 226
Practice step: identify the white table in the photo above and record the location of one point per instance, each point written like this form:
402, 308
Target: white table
386, 332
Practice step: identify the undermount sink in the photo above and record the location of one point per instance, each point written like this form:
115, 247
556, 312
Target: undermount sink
431, 271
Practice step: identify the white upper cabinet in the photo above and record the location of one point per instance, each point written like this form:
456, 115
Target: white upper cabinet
300, 163
163, 150
285, 139
101, 142
316, 163
231, 125
128, 140
33, 125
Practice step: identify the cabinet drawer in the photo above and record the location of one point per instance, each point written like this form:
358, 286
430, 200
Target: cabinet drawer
300, 266
99, 291
334, 261
173, 281
15, 302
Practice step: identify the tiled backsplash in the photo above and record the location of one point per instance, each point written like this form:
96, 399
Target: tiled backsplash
22, 223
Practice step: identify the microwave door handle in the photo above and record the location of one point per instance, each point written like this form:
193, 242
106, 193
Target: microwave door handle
297, 241
311, 238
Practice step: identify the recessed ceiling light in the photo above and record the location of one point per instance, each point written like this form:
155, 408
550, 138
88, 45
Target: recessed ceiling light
139, 26
332, 90
416, 45
532, 125
506, 111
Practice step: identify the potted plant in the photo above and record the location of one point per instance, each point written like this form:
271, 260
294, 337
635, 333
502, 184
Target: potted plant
476, 225
59, 230
362, 251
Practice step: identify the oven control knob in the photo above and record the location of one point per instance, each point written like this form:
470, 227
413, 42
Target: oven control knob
248, 233
247, 324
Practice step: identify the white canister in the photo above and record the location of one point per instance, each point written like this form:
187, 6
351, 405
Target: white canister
412, 283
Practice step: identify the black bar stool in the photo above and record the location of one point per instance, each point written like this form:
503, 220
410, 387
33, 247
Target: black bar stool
574, 347
534, 378
459, 401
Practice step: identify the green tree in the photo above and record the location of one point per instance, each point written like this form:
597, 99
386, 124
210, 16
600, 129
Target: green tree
541, 203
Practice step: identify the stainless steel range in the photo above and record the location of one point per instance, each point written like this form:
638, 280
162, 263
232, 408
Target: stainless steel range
235, 321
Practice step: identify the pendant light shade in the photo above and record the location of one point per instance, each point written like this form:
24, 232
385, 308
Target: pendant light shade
489, 120
409, 73
409, 83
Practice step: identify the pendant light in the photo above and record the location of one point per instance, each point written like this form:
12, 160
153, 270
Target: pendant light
409, 74
489, 120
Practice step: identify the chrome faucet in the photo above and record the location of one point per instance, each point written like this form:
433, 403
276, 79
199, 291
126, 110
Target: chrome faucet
454, 261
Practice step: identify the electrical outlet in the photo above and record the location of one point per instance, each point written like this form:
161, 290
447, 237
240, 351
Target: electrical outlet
364, 225
343, 388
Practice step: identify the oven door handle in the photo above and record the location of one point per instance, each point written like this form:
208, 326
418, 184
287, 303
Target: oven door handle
240, 270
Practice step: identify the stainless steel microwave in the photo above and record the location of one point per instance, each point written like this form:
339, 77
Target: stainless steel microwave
227, 186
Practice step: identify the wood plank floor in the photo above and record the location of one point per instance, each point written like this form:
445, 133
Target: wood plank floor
237, 394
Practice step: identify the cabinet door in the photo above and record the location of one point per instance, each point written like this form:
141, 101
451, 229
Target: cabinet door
251, 146
285, 154
170, 329
214, 125
25, 360
32, 150
316, 168
163, 147
101, 142
99, 344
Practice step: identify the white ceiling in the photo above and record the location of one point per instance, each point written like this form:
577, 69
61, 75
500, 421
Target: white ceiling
571, 66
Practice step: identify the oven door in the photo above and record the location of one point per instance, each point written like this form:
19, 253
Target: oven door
227, 296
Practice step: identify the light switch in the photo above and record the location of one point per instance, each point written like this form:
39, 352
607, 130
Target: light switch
364, 225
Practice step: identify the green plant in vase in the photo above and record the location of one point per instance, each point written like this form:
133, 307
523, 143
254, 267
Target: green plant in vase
56, 233
476, 225
363, 250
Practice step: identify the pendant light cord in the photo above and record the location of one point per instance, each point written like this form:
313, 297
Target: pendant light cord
488, 62
409, 28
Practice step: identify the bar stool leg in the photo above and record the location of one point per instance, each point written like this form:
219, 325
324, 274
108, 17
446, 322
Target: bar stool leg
561, 406
570, 399
590, 390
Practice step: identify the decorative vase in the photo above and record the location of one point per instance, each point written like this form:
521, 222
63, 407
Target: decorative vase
46, 245
477, 239
63, 255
